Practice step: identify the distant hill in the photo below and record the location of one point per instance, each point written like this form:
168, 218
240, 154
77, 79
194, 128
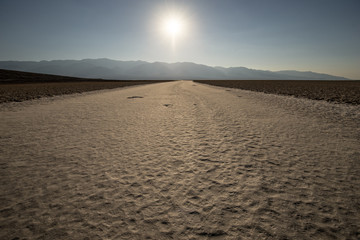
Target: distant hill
12, 76
135, 70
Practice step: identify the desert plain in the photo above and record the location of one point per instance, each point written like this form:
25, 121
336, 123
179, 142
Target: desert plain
178, 160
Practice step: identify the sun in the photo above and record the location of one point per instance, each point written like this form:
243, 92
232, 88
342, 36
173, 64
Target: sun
173, 26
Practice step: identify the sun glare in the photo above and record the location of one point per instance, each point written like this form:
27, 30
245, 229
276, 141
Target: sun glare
173, 26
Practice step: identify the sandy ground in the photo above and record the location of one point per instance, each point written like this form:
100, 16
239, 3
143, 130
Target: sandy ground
28, 91
16, 86
179, 160
344, 92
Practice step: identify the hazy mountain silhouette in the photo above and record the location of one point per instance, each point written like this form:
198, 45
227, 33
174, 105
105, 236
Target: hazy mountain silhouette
113, 69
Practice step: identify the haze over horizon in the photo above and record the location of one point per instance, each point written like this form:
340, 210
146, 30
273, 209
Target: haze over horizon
319, 36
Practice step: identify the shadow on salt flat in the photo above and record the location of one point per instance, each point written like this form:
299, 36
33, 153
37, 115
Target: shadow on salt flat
132, 97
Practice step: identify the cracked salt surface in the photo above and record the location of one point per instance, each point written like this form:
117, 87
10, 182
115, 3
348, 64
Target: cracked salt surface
213, 165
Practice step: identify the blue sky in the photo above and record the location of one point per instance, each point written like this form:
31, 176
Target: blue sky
307, 35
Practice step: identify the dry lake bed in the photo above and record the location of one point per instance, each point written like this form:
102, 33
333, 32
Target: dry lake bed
179, 160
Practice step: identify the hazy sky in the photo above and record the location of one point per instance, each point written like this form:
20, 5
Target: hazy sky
316, 35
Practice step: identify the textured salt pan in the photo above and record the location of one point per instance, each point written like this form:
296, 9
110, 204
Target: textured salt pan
181, 162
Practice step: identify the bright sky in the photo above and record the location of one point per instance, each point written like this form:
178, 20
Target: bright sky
306, 35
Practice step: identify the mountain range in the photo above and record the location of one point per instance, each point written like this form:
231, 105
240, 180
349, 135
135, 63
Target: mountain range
133, 70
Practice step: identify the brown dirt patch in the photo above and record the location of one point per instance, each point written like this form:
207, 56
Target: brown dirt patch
331, 91
18, 86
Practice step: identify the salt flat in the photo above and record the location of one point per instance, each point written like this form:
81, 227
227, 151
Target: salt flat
179, 160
